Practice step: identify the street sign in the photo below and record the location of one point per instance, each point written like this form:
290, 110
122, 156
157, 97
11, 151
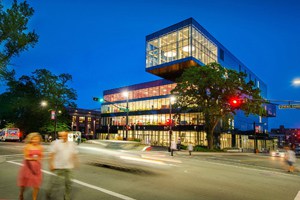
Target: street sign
290, 106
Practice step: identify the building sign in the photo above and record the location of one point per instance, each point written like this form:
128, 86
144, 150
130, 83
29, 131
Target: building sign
290, 106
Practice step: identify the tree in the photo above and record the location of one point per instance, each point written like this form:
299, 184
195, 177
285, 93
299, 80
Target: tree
14, 34
210, 88
21, 102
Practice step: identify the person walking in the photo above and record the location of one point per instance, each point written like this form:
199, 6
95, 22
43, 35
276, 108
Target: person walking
173, 147
63, 158
290, 159
78, 139
178, 143
30, 174
190, 148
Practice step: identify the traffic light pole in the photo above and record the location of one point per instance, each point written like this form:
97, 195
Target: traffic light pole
170, 130
127, 112
255, 138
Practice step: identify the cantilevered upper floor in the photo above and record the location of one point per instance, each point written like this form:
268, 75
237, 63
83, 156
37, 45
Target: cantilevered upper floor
185, 44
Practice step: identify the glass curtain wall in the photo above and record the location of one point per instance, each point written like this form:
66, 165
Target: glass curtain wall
181, 43
161, 138
157, 119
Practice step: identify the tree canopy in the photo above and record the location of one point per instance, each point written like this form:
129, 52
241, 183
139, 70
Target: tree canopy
14, 34
208, 89
21, 103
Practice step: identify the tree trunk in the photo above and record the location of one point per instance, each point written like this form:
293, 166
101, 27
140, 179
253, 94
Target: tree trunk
210, 138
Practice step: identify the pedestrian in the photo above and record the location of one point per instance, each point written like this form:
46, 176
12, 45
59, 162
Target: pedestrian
190, 148
290, 159
173, 147
78, 139
50, 138
30, 174
63, 158
178, 143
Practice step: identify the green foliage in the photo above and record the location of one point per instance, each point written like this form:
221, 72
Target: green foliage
14, 34
137, 140
205, 149
10, 125
21, 104
208, 89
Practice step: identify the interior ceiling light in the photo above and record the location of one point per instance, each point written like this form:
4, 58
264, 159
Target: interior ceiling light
170, 54
187, 48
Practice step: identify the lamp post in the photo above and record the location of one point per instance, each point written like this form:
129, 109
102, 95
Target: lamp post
53, 115
296, 82
126, 94
255, 137
172, 98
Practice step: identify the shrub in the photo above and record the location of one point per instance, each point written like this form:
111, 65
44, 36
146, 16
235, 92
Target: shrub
205, 149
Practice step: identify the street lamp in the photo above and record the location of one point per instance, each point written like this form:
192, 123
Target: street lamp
53, 115
296, 82
44, 103
172, 99
126, 94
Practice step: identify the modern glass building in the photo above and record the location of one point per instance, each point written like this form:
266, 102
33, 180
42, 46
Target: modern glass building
168, 52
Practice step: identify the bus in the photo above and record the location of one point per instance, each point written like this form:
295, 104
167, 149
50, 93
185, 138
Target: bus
10, 134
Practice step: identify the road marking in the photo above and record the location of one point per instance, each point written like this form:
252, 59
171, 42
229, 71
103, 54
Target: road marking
143, 160
85, 184
10, 155
263, 169
298, 196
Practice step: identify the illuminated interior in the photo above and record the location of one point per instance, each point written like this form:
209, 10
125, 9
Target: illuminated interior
184, 42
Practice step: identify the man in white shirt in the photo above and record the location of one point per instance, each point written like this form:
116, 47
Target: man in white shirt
62, 160
173, 147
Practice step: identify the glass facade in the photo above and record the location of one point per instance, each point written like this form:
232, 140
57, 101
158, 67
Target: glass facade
178, 44
168, 52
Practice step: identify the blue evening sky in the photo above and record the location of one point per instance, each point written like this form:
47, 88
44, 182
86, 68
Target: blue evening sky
102, 43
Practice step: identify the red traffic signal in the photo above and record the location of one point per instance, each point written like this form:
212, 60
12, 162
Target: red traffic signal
235, 102
168, 122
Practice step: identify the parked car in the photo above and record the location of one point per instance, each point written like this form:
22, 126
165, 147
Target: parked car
278, 153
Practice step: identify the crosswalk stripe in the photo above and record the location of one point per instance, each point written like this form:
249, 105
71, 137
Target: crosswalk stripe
298, 196
85, 184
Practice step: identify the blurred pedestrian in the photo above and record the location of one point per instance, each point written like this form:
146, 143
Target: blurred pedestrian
50, 138
290, 159
173, 147
78, 139
178, 143
190, 148
30, 174
62, 160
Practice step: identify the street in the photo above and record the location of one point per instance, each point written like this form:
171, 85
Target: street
105, 173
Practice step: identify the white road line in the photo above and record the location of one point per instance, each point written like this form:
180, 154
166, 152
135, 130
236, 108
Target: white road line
263, 169
85, 184
298, 196
10, 155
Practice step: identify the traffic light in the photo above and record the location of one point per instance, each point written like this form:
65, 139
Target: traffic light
168, 122
98, 99
235, 102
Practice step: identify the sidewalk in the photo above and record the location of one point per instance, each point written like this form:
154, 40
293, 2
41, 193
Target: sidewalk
132, 145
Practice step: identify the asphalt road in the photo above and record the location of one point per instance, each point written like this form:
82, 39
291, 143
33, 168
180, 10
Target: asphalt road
126, 174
